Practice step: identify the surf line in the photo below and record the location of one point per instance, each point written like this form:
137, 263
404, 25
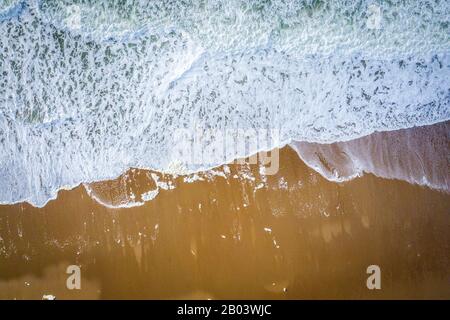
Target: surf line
187, 310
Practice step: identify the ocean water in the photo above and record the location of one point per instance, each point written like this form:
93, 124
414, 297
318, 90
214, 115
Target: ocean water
89, 89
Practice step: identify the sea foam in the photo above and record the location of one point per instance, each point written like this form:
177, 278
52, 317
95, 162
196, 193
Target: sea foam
89, 89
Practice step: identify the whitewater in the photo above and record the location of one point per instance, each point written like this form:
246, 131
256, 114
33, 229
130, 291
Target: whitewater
89, 89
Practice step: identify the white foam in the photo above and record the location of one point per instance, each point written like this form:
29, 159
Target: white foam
85, 104
150, 195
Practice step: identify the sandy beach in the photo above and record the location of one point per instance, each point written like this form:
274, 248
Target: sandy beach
239, 234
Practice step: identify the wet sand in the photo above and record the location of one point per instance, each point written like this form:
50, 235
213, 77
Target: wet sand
294, 236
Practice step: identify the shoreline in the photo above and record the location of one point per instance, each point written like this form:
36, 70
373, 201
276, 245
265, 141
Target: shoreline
295, 235
420, 137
